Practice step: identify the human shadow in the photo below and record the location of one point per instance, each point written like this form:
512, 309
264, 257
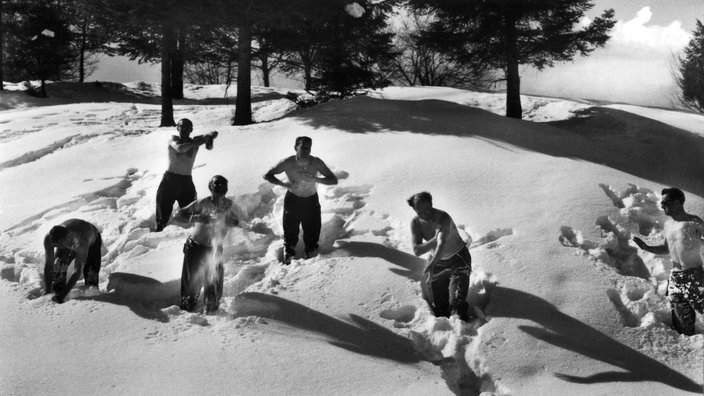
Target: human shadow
143, 295
569, 333
411, 266
359, 336
618, 139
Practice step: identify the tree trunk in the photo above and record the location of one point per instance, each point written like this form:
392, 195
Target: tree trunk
243, 104
82, 52
513, 78
307, 60
177, 67
2, 45
168, 43
265, 70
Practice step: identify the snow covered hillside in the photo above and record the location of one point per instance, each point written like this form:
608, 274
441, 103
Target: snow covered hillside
564, 302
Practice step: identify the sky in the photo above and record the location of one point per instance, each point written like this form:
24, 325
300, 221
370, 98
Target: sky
635, 66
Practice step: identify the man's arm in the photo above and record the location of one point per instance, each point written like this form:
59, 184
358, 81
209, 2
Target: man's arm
80, 261
183, 147
48, 266
271, 175
657, 249
328, 178
441, 237
189, 213
420, 247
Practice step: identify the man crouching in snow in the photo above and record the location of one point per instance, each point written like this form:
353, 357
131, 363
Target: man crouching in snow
74, 239
683, 241
449, 265
202, 265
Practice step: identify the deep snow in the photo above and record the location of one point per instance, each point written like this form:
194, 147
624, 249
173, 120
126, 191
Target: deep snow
564, 303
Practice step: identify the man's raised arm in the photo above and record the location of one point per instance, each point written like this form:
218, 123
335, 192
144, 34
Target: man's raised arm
183, 147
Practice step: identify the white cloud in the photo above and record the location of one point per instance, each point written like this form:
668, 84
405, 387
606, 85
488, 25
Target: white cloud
637, 33
634, 66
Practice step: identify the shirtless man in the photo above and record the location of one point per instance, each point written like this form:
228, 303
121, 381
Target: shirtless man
449, 264
77, 240
177, 183
683, 241
202, 265
301, 204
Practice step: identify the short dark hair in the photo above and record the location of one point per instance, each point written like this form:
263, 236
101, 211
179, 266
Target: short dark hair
302, 139
184, 121
58, 233
215, 178
675, 193
422, 196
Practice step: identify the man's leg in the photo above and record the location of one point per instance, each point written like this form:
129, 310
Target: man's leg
441, 295
92, 267
683, 315
186, 191
191, 275
291, 224
213, 287
311, 225
459, 288
165, 198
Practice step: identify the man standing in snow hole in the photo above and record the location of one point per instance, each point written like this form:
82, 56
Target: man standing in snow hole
301, 204
449, 264
683, 241
73, 240
177, 182
202, 252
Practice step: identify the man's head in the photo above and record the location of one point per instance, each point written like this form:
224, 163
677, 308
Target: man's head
184, 127
422, 203
218, 186
57, 235
672, 200
303, 146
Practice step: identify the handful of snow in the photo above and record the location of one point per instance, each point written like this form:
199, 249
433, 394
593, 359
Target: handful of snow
354, 9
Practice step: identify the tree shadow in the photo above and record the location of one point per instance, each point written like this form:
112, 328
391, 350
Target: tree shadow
359, 336
568, 333
144, 296
621, 140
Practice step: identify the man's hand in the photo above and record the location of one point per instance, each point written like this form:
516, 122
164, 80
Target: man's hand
58, 299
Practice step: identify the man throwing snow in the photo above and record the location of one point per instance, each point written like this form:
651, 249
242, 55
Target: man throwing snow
202, 265
73, 240
683, 241
177, 183
301, 204
449, 264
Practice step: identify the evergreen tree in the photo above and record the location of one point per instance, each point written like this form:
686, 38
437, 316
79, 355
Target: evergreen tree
691, 71
156, 31
507, 33
41, 44
340, 46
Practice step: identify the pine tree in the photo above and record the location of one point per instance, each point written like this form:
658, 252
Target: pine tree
40, 47
156, 31
507, 33
691, 71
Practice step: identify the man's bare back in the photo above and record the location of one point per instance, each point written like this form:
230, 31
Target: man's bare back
684, 241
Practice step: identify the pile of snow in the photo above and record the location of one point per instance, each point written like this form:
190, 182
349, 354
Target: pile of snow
559, 294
